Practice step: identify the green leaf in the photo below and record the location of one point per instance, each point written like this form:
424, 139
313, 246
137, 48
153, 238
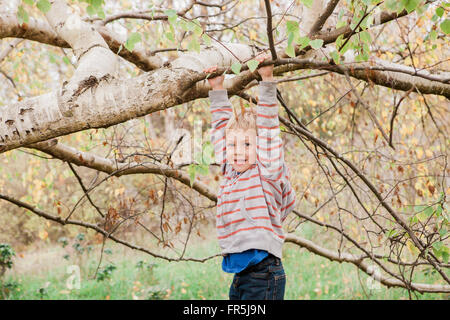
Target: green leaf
316, 44
410, 5
252, 65
365, 37
90, 10
443, 231
391, 233
132, 40
290, 38
236, 67
22, 15
29, 2
419, 208
429, 211
339, 41
290, 51
413, 219
66, 60
191, 171
292, 26
206, 39
438, 245
184, 25
202, 169
392, 5
197, 29
303, 42
445, 26
170, 36
433, 35
422, 216
445, 256
438, 210
101, 13
96, 3
336, 57
193, 45
341, 23
208, 151
173, 19
440, 12
170, 13
307, 3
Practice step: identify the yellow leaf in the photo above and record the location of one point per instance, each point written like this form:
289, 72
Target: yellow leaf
43, 234
429, 153
305, 173
412, 248
312, 102
404, 130
419, 153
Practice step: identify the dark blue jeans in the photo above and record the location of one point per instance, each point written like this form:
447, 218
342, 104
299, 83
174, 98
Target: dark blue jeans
263, 281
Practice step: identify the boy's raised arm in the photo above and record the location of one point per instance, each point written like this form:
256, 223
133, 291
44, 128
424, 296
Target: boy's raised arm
269, 146
221, 112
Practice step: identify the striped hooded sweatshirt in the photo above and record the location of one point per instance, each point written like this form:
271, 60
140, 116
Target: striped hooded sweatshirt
252, 206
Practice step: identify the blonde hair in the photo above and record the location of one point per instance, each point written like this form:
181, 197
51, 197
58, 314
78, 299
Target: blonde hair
244, 119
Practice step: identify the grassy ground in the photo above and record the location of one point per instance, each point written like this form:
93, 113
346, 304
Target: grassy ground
308, 277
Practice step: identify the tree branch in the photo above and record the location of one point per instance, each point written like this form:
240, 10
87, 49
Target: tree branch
362, 265
270, 29
318, 24
90, 160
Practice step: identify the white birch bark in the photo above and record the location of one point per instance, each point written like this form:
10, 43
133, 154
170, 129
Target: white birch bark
92, 52
310, 15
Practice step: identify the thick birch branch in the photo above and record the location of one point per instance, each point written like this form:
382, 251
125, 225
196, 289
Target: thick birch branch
94, 57
106, 102
100, 103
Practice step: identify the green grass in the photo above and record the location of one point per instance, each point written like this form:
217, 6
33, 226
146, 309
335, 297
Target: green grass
308, 277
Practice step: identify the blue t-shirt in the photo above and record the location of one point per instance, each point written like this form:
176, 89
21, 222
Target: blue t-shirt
236, 262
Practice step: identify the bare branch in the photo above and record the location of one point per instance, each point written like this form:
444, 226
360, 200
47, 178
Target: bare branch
270, 29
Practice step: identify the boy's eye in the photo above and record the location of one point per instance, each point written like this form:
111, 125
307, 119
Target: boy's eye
247, 144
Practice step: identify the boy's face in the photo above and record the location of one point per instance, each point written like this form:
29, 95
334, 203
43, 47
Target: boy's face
240, 148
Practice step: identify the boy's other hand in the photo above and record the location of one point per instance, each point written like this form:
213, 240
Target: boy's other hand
216, 83
266, 72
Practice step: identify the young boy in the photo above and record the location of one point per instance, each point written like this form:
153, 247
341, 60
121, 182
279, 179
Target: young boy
256, 196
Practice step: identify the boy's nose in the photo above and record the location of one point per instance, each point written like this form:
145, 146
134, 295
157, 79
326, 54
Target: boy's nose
239, 149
